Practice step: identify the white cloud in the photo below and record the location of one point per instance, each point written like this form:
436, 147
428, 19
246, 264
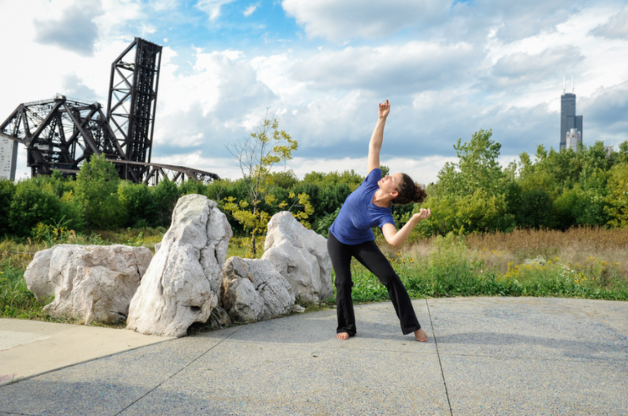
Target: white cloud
74, 30
520, 69
405, 69
249, 10
615, 28
212, 7
147, 29
160, 5
219, 101
341, 20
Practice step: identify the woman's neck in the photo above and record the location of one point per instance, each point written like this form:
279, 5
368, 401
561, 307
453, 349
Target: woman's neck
381, 200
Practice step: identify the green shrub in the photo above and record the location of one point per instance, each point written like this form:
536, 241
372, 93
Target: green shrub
32, 204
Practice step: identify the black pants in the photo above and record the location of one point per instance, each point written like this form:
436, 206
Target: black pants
374, 260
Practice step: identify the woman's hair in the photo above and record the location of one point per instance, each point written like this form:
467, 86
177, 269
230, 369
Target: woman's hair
409, 192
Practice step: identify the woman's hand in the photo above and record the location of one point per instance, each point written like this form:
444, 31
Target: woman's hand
384, 109
423, 214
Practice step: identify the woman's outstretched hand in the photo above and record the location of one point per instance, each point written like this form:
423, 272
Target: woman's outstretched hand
384, 109
423, 214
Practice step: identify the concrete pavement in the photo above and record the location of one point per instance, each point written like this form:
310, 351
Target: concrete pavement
485, 356
28, 348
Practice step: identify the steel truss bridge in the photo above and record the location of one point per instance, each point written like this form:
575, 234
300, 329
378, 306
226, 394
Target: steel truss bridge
60, 133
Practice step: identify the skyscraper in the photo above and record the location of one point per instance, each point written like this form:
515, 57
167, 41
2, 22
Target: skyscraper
568, 118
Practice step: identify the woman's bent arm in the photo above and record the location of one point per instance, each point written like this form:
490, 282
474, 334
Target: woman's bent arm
394, 237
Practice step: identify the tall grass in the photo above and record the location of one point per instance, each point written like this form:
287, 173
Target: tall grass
588, 263
16, 301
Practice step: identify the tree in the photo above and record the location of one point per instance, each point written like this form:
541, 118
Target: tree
618, 196
477, 168
257, 155
97, 189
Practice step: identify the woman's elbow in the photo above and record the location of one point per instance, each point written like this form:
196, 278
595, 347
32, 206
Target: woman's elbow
393, 243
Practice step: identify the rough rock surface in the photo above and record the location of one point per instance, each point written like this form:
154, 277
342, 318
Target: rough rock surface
253, 290
300, 256
182, 283
93, 283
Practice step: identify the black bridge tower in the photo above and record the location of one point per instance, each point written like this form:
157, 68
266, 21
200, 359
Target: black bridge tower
61, 132
132, 103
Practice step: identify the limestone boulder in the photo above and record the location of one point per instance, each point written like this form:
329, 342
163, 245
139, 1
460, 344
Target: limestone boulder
182, 284
253, 290
93, 283
300, 256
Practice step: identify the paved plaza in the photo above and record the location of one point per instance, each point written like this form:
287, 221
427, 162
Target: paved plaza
485, 356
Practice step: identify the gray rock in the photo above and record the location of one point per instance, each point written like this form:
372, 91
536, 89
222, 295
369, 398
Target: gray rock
300, 256
253, 290
93, 283
182, 283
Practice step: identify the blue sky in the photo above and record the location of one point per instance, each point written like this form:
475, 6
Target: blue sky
449, 68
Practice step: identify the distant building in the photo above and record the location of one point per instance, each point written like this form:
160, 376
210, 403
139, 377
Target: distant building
609, 149
8, 158
572, 138
568, 118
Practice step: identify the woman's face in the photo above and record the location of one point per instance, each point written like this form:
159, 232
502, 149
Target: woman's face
391, 183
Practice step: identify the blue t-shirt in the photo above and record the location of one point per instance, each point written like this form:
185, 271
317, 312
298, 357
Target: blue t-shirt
358, 214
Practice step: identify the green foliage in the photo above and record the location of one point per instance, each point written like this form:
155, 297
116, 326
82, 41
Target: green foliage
322, 225
166, 195
97, 189
56, 233
285, 179
32, 204
478, 212
7, 191
138, 205
347, 177
477, 168
618, 196
72, 209
449, 266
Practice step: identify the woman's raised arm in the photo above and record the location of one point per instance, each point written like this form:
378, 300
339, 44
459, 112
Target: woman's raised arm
378, 137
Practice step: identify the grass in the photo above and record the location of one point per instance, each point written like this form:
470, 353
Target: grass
583, 263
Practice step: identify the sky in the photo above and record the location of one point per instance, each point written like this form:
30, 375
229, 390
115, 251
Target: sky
449, 69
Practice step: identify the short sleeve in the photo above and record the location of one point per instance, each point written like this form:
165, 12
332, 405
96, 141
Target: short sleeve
373, 177
386, 218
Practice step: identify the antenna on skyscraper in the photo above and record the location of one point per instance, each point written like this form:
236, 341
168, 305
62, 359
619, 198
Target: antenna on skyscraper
563, 85
573, 90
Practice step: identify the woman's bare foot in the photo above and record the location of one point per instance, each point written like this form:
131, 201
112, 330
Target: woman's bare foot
342, 335
420, 335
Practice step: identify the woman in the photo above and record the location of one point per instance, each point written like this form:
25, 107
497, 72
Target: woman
351, 236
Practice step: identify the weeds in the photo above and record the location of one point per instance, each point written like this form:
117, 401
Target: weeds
584, 263
16, 301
